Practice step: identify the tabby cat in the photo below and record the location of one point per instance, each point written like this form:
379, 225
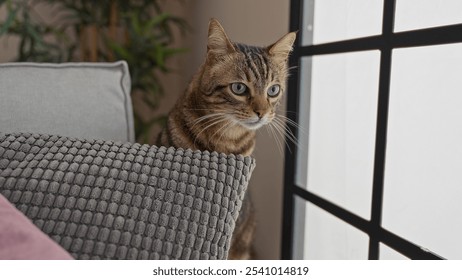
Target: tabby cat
235, 92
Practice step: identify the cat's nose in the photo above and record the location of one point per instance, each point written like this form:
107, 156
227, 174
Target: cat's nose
259, 113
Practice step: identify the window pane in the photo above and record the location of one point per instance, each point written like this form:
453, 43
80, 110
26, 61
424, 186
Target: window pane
423, 174
387, 253
329, 238
417, 14
335, 20
341, 98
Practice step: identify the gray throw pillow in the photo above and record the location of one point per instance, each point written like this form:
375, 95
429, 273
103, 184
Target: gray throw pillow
111, 200
86, 100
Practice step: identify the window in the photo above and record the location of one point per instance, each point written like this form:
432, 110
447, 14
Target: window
377, 172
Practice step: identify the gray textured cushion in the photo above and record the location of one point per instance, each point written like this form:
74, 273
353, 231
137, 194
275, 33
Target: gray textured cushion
110, 200
87, 100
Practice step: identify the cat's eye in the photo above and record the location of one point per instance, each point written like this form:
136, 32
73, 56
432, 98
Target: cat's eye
238, 88
274, 90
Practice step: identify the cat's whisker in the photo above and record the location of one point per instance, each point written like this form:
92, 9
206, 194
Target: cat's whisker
282, 140
210, 110
209, 116
284, 131
293, 124
208, 121
215, 122
281, 134
287, 111
292, 68
287, 132
286, 118
220, 129
230, 124
211, 123
204, 120
270, 130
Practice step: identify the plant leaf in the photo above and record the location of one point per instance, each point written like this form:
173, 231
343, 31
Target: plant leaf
8, 22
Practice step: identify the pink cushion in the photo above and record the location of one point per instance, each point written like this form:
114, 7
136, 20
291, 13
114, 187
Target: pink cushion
20, 239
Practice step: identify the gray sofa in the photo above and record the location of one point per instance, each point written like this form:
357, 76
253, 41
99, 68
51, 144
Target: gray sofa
68, 162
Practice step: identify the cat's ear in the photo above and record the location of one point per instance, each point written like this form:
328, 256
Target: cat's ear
218, 43
280, 50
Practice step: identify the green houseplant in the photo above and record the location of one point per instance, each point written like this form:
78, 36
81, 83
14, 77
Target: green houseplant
137, 31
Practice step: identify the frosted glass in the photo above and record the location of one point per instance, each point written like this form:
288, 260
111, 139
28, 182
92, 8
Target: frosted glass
338, 109
336, 20
387, 253
423, 174
418, 14
329, 238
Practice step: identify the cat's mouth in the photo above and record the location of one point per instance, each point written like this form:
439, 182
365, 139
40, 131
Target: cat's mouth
254, 123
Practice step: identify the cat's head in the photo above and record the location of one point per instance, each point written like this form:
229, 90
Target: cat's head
245, 82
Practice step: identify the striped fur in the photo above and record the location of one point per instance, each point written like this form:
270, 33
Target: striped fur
209, 116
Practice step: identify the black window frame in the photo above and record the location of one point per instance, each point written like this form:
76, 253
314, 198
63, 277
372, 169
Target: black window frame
385, 43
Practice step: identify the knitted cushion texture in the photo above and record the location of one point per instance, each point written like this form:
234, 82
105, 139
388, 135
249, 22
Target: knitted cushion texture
110, 200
